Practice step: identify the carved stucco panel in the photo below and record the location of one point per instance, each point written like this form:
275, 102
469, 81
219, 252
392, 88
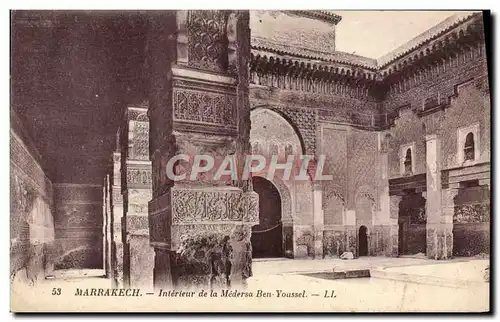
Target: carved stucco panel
201, 206
205, 108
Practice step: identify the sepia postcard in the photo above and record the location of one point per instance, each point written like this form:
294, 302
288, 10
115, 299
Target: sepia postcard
250, 161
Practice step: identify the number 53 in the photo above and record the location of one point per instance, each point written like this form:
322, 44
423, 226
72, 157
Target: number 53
56, 291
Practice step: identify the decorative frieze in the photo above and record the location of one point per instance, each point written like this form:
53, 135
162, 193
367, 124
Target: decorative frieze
202, 206
202, 107
138, 112
28, 166
351, 117
139, 176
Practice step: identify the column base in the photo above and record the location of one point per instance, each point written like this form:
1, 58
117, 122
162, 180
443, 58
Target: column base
381, 241
138, 263
162, 273
334, 242
393, 249
318, 244
351, 244
440, 241
288, 241
117, 264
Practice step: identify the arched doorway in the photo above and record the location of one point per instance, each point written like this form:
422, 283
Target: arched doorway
267, 236
363, 241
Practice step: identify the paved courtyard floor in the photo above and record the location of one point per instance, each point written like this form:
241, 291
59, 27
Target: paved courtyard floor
282, 285
293, 266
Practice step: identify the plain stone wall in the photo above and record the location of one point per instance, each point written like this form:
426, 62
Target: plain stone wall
78, 225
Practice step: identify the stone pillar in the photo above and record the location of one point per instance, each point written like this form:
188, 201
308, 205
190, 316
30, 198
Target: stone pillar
318, 220
382, 224
393, 249
116, 222
106, 228
351, 234
288, 239
448, 204
439, 228
104, 241
199, 105
138, 260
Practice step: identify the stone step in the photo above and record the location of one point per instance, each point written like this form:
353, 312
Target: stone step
354, 273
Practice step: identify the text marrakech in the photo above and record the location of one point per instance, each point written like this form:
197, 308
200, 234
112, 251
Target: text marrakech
108, 292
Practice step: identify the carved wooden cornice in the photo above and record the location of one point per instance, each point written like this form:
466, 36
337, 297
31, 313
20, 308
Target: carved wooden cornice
296, 74
269, 46
463, 36
427, 36
324, 15
436, 45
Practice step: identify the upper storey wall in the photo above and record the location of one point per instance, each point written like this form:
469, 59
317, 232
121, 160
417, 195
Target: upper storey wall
292, 30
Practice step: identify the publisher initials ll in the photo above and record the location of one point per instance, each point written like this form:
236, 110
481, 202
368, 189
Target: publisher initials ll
330, 294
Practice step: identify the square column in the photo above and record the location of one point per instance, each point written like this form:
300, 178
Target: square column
138, 255
106, 227
116, 222
448, 203
393, 249
439, 227
383, 225
318, 220
351, 234
199, 105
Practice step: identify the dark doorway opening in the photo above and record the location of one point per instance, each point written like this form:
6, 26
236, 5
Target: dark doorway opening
363, 241
412, 236
471, 220
267, 236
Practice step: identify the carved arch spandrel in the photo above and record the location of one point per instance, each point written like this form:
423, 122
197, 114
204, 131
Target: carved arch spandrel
366, 193
286, 198
332, 198
280, 114
333, 190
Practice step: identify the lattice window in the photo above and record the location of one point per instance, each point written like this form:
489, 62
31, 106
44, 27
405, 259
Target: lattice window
468, 144
469, 147
407, 159
408, 162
